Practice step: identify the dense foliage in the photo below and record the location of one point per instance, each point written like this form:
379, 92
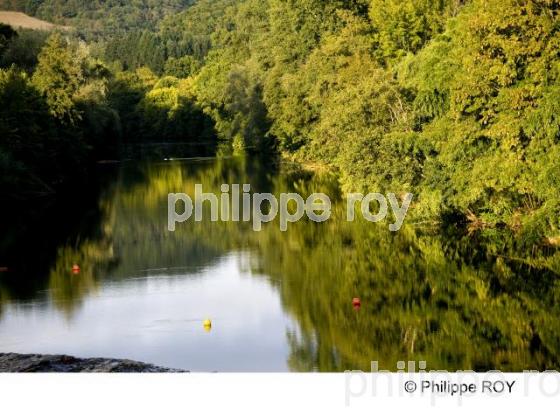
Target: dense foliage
51, 119
454, 100
61, 109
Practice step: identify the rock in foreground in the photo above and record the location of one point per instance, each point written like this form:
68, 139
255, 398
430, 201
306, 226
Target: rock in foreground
34, 363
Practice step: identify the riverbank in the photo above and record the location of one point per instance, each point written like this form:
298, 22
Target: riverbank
34, 363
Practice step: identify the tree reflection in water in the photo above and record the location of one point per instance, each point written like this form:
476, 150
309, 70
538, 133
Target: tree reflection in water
447, 298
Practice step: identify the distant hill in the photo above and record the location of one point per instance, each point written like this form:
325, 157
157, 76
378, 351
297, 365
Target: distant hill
100, 19
22, 20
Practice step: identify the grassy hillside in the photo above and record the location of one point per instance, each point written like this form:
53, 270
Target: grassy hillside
22, 20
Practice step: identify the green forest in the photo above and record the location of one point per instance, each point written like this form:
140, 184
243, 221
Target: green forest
456, 101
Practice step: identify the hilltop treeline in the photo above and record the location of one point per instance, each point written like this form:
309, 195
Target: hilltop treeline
453, 100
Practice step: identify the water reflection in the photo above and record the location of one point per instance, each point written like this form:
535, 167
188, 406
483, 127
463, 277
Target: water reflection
277, 301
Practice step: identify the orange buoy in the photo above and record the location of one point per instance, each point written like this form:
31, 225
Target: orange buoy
76, 269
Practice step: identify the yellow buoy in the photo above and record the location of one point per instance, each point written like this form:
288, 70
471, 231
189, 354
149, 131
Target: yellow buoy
207, 325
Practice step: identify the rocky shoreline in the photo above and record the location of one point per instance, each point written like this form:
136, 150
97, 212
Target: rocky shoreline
34, 363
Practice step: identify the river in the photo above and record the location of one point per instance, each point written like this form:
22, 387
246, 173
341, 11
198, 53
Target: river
278, 301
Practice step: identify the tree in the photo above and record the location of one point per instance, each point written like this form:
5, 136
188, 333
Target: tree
182, 67
406, 26
58, 76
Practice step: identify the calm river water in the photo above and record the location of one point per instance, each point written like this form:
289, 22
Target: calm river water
278, 301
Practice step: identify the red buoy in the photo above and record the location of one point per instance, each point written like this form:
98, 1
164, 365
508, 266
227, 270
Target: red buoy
356, 302
75, 269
